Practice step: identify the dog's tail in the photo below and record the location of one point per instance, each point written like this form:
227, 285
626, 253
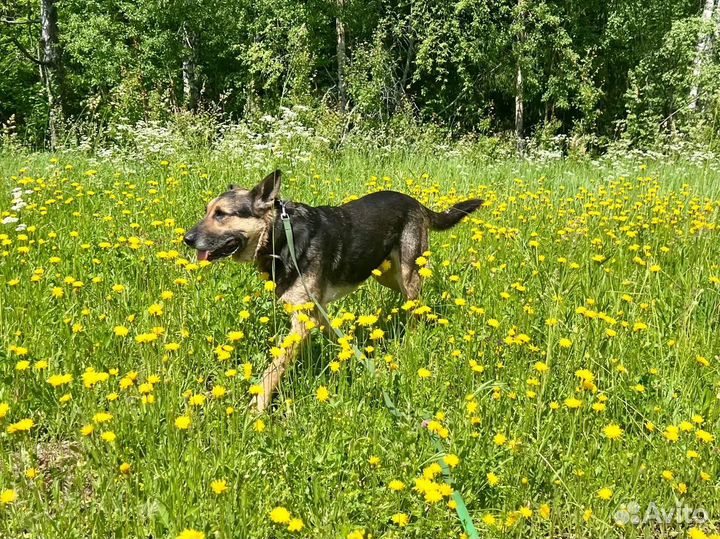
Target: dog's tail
451, 217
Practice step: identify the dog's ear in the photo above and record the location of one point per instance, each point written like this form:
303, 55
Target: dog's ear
265, 193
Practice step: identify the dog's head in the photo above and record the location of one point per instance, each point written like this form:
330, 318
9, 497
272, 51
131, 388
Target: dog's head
236, 222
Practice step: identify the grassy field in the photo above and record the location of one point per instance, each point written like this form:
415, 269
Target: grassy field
564, 354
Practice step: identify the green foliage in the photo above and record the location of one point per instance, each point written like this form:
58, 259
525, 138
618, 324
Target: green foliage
660, 85
593, 71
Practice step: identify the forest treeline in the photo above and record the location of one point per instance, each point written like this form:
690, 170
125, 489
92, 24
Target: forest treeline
587, 70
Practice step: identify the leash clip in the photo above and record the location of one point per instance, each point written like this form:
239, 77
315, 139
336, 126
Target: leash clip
283, 213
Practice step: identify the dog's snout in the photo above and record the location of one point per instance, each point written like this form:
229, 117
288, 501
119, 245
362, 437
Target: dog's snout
190, 238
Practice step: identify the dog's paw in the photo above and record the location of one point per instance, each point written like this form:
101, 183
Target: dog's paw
258, 404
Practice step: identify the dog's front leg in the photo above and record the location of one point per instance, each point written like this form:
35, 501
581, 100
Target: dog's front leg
273, 374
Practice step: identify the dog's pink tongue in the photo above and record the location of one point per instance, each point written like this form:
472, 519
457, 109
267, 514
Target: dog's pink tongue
202, 255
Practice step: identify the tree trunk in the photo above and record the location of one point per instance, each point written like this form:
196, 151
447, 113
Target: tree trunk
340, 29
408, 63
189, 69
519, 86
703, 47
519, 108
51, 67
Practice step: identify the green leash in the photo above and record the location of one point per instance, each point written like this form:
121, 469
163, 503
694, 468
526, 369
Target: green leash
460, 506
285, 218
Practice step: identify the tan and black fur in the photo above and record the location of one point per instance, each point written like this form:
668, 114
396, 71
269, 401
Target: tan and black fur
337, 247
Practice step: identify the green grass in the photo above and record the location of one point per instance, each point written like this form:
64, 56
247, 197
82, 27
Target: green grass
314, 458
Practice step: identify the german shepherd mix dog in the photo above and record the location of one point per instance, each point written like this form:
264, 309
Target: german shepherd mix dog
337, 247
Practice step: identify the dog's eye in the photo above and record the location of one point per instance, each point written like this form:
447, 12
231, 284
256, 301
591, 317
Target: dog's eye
219, 214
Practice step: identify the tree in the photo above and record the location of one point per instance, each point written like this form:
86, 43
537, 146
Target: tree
189, 68
341, 56
48, 60
51, 66
519, 84
526, 68
703, 48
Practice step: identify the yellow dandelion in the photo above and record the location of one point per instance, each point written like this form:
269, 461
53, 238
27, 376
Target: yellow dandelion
219, 486
401, 519
612, 431
183, 422
396, 485
23, 425
8, 497
189, 533
280, 515
322, 394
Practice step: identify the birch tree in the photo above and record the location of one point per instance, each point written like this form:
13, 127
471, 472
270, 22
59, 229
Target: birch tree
51, 67
519, 82
189, 67
703, 47
48, 59
341, 56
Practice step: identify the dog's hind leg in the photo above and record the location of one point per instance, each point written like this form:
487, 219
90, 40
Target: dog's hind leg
391, 277
273, 374
413, 243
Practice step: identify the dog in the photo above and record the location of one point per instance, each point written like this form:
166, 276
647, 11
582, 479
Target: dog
336, 248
